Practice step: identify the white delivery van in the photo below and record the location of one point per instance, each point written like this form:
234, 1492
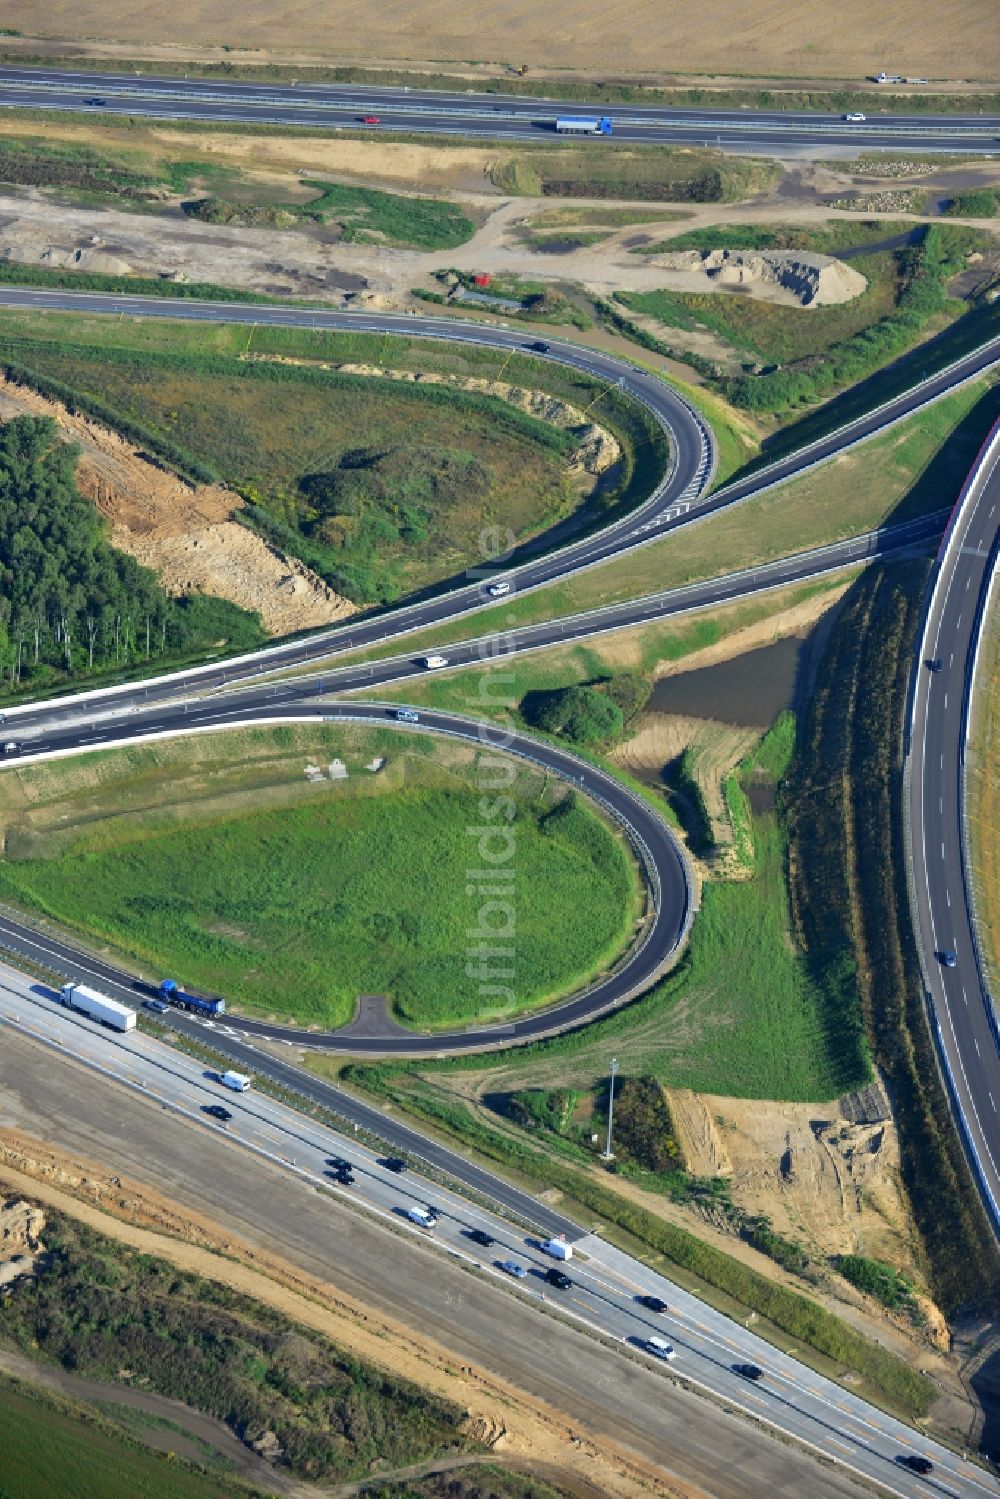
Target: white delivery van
558, 1248
235, 1080
432, 661
425, 1217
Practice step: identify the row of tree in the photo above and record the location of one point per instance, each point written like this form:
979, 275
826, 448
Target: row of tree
70, 603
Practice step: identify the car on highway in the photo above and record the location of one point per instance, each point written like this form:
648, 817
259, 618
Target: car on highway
915, 1463
948, 959
538, 347
338, 1163
433, 662
406, 715
511, 1267
936, 664
371, 119
480, 1236
660, 1348
343, 1178
854, 118
97, 103
3, 718
652, 1303
497, 590
158, 1006
558, 1278
392, 1163
748, 1371
423, 1217
216, 1111
12, 747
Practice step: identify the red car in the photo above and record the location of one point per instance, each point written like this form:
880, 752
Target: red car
371, 120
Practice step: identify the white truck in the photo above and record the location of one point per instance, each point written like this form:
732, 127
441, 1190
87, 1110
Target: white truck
237, 1081
557, 1248
98, 1007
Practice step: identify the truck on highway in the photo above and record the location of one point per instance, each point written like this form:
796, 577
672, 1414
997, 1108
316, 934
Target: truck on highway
199, 1004
566, 125
557, 1248
237, 1081
98, 1007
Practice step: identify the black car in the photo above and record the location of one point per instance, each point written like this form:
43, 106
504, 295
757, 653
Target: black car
338, 1163
748, 1371
216, 1111
936, 664
480, 1236
652, 1303
97, 103
393, 1163
916, 1464
538, 347
344, 1178
558, 1278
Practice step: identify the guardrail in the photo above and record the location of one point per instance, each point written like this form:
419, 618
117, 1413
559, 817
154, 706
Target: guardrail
501, 114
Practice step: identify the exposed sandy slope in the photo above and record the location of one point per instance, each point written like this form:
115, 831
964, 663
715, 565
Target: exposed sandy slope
184, 534
775, 38
499, 1415
794, 278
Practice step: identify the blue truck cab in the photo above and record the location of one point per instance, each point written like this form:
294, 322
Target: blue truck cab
173, 994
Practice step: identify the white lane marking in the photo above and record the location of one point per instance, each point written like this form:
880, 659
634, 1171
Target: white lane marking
947, 896
992, 1100
976, 1040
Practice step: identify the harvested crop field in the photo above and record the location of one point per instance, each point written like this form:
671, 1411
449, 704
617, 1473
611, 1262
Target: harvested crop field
772, 40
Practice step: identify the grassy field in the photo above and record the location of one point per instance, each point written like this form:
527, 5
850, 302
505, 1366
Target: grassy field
915, 469
983, 779
221, 192
658, 174
382, 487
110, 1313
45, 1439
364, 216
769, 332
297, 908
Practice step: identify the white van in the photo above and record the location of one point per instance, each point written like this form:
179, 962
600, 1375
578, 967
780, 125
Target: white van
432, 661
425, 1217
558, 1248
235, 1080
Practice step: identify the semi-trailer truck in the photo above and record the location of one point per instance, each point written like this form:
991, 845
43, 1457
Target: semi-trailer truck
98, 1007
199, 1004
569, 126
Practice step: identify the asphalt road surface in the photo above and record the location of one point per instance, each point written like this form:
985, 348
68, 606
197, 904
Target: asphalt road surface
963, 1014
262, 1171
486, 115
677, 501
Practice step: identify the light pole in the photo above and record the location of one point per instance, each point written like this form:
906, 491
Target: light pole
608, 1156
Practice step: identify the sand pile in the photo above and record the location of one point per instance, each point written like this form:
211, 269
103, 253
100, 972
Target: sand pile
792, 276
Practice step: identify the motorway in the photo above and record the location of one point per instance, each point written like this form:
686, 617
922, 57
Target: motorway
961, 1007
493, 116
677, 501
136, 1109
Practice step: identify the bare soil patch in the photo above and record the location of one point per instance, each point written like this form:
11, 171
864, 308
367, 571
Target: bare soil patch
183, 533
500, 1416
956, 41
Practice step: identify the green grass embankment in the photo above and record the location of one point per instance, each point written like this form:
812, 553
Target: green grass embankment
298, 907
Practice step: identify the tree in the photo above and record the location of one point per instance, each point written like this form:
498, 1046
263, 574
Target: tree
584, 715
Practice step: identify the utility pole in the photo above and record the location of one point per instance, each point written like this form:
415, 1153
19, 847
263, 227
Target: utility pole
608, 1155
